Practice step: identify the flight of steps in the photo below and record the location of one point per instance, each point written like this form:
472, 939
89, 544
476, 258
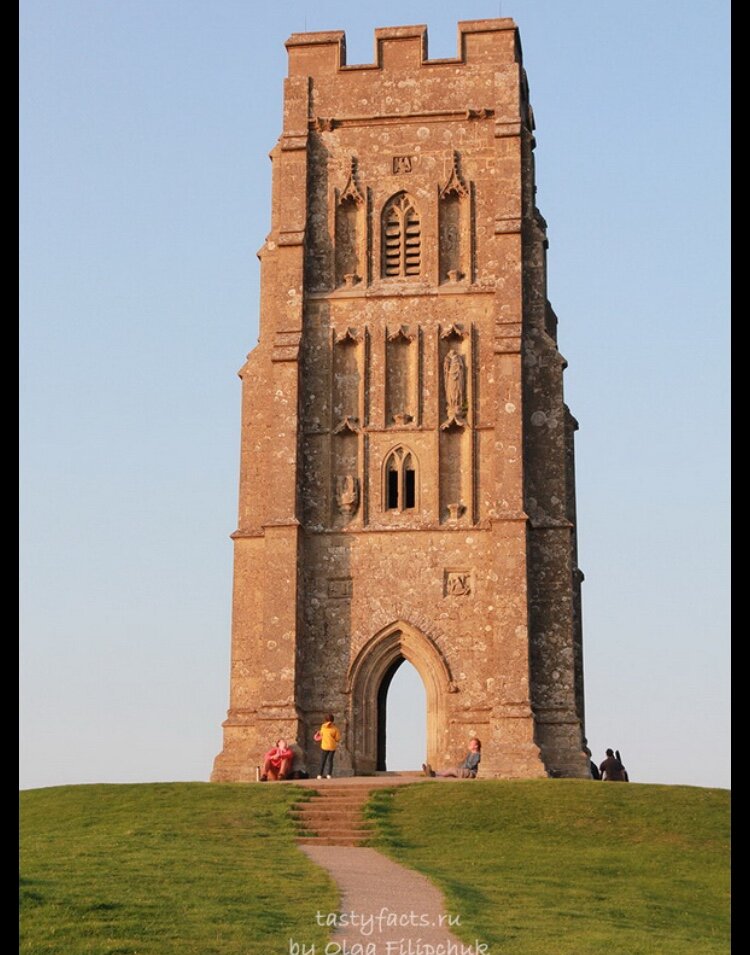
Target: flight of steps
333, 816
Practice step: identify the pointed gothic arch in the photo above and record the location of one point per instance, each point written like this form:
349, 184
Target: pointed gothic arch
400, 480
371, 671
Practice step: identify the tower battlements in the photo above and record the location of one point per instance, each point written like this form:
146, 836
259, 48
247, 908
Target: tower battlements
480, 42
485, 81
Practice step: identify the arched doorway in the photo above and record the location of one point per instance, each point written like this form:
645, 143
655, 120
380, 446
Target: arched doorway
402, 725
370, 677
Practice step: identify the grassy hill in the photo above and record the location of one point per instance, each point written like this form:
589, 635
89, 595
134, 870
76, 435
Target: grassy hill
544, 866
188, 868
570, 867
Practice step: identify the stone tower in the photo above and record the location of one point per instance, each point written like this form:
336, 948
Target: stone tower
407, 486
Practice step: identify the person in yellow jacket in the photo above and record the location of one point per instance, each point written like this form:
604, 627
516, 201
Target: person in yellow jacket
328, 736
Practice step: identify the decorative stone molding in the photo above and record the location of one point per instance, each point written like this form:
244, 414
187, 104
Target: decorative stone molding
350, 336
348, 423
456, 330
403, 418
455, 184
286, 346
482, 113
506, 226
351, 190
401, 333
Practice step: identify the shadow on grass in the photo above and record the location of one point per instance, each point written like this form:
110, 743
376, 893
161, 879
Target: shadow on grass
29, 891
379, 810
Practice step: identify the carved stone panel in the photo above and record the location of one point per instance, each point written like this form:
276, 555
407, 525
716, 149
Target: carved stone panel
340, 588
458, 583
347, 494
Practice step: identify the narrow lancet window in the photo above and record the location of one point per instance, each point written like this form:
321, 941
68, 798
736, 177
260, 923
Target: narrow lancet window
400, 486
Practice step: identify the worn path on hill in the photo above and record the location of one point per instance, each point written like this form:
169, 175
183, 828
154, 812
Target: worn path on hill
389, 909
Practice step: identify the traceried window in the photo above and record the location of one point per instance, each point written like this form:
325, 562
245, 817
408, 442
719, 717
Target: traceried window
402, 237
400, 481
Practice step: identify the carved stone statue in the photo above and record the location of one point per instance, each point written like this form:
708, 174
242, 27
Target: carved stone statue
454, 377
347, 495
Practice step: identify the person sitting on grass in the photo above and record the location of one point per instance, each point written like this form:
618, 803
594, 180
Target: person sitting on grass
467, 770
612, 769
277, 763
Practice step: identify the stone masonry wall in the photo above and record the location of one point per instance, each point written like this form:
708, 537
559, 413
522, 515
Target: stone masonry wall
406, 487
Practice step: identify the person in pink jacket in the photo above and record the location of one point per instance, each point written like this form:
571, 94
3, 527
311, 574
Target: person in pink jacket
277, 763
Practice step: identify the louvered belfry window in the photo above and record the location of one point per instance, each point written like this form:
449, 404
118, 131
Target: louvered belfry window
402, 238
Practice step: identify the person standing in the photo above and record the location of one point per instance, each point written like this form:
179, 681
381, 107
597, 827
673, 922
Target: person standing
612, 769
329, 737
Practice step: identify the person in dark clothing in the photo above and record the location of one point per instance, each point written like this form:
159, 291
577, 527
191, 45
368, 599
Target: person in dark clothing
593, 768
612, 769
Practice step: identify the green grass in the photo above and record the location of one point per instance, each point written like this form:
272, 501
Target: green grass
569, 867
188, 868
544, 866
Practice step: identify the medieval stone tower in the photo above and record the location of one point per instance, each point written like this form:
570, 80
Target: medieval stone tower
407, 487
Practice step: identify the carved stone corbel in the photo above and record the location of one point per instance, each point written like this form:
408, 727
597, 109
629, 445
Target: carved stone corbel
401, 333
348, 423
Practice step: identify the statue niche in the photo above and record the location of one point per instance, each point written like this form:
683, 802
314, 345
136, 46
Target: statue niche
454, 382
454, 197
350, 207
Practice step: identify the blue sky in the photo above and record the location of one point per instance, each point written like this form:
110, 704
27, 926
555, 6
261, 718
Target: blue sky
145, 193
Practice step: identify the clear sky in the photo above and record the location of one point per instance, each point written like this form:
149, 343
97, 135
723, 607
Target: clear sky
145, 193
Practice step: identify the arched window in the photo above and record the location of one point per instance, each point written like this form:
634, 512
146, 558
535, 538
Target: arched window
402, 237
400, 481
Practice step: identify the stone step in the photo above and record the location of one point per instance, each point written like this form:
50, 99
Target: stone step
350, 793
335, 824
329, 841
399, 772
345, 805
344, 791
342, 794
332, 806
350, 836
323, 785
333, 816
328, 820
